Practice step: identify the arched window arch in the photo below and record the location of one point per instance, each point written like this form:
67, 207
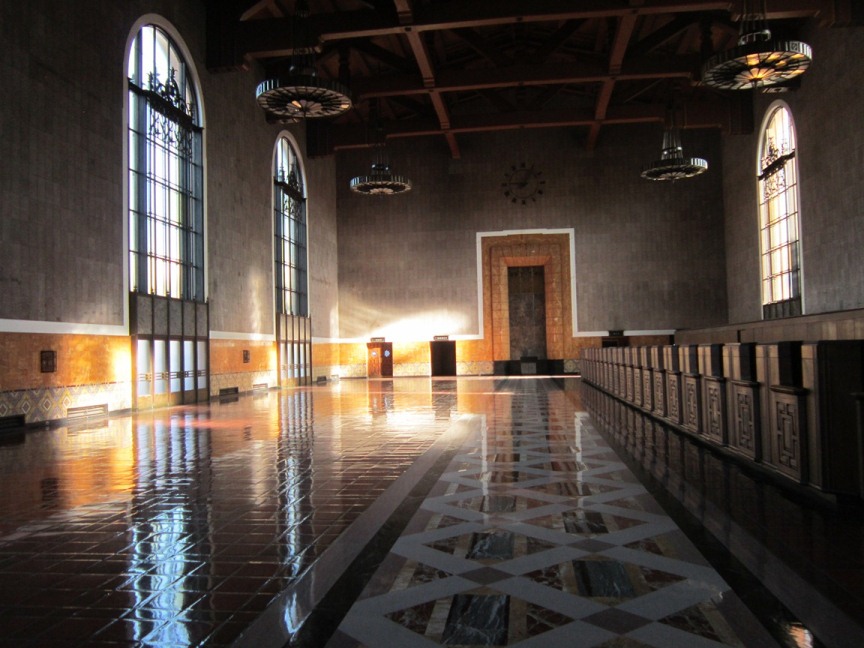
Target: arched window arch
289, 229
166, 186
779, 214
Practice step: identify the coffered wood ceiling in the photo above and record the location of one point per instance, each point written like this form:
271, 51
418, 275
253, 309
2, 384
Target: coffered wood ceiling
442, 68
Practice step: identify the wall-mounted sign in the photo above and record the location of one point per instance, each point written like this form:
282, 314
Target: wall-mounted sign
377, 339
48, 361
616, 333
440, 338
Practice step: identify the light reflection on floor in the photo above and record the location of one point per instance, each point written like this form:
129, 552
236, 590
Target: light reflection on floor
178, 527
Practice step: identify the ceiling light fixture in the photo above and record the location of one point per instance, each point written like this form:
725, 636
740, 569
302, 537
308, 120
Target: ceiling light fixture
300, 94
381, 181
672, 164
758, 60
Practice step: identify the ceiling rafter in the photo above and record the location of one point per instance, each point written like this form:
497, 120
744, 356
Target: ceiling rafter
701, 114
383, 55
482, 46
555, 41
498, 100
454, 67
584, 72
623, 33
271, 37
665, 33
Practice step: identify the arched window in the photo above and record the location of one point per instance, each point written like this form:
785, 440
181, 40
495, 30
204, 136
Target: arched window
165, 182
778, 215
166, 215
289, 203
293, 326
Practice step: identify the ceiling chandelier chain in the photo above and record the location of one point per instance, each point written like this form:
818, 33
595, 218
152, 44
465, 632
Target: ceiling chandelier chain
754, 24
758, 61
299, 93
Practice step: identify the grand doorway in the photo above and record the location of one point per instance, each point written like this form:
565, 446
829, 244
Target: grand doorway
540, 265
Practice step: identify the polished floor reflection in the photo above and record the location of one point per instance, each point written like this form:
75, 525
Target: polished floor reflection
413, 511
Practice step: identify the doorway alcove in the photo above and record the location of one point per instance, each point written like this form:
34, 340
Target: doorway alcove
549, 252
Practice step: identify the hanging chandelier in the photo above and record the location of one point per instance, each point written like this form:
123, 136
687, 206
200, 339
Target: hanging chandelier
758, 60
672, 164
299, 93
381, 181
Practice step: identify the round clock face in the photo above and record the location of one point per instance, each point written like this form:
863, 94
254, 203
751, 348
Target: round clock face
523, 183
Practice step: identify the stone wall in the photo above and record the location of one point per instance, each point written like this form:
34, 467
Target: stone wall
830, 153
648, 256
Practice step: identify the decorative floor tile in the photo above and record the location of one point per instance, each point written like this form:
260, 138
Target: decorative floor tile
559, 543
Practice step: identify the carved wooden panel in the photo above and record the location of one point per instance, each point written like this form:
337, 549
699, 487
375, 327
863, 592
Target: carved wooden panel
715, 409
673, 398
745, 420
787, 427
647, 391
659, 393
692, 398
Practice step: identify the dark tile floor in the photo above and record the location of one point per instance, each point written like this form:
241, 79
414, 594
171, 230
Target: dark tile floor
413, 511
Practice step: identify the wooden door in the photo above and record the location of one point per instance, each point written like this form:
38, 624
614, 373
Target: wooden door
379, 359
373, 360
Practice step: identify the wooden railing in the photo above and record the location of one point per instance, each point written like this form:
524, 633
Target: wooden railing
795, 408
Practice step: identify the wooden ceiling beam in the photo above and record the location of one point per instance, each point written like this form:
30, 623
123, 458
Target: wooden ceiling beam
659, 36
482, 47
427, 72
555, 41
524, 75
699, 115
623, 34
272, 37
381, 54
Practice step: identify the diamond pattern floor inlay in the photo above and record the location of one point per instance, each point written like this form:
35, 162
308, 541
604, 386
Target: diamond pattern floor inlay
538, 534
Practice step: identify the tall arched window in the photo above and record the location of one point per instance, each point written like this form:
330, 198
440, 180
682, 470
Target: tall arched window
289, 202
293, 326
166, 215
778, 215
169, 325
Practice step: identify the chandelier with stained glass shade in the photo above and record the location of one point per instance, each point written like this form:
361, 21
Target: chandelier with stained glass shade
297, 92
759, 60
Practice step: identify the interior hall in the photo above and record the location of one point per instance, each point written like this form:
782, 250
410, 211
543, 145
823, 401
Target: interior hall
424, 322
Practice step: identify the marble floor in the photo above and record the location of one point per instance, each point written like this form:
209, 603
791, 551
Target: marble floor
404, 512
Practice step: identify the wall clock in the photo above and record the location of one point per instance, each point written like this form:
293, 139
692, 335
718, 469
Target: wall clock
523, 183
